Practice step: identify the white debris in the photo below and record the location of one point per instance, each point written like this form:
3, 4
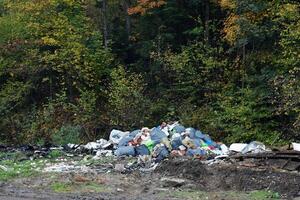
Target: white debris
56, 148
254, 147
104, 143
224, 149
119, 168
92, 145
66, 167
296, 146
103, 153
72, 146
238, 147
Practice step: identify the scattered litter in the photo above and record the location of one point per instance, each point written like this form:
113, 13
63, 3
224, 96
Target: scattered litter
237, 147
66, 167
296, 146
120, 168
116, 136
103, 153
254, 147
224, 149
120, 190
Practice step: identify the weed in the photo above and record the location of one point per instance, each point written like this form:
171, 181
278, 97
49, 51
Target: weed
55, 154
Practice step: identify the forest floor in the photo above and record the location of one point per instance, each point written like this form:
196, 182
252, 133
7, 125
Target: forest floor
174, 179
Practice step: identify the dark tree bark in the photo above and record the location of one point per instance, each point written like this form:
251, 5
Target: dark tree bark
105, 23
126, 4
206, 34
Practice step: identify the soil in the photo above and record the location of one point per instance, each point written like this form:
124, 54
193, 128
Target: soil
234, 177
215, 180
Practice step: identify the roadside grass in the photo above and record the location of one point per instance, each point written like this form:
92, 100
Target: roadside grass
13, 165
61, 187
264, 194
55, 154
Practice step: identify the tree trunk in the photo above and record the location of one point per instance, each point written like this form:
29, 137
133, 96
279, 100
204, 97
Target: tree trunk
206, 33
105, 23
244, 66
127, 17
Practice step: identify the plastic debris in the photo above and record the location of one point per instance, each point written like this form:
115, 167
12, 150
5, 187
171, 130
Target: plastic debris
116, 135
296, 146
66, 167
237, 147
254, 147
101, 153
120, 168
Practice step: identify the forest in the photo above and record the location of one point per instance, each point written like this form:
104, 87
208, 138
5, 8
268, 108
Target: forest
71, 70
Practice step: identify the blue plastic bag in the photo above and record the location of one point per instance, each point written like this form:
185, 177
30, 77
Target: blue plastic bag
134, 133
176, 142
191, 132
142, 150
195, 152
125, 151
125, 140
162, 152
178, 129
157, 135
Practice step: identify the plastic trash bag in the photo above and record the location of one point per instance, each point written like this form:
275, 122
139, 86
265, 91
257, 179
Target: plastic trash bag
160, 152
195, 152
254, 147
142, 150
189, 143
197, 134
116, 135
149, 144
224, 149
206, 138
296, 146
125, 140
134, 133
197, 142
176, 142
238, 147
125, 151
191, 132
179, 129
157, 135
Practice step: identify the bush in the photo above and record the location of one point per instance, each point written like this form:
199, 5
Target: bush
67, 134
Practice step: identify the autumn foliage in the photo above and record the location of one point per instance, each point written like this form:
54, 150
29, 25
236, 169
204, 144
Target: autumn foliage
144, 5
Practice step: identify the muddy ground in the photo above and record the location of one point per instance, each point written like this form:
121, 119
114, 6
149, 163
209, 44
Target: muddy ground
173, 179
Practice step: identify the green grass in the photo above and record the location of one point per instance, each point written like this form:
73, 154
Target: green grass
93, 187
263, 194
61, 187
17, 169
56, 154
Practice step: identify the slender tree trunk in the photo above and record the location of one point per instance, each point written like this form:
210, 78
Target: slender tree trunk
127, 17
206, 34
244, 66
105, 23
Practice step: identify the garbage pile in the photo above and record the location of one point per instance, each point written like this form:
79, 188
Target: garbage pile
159, 143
